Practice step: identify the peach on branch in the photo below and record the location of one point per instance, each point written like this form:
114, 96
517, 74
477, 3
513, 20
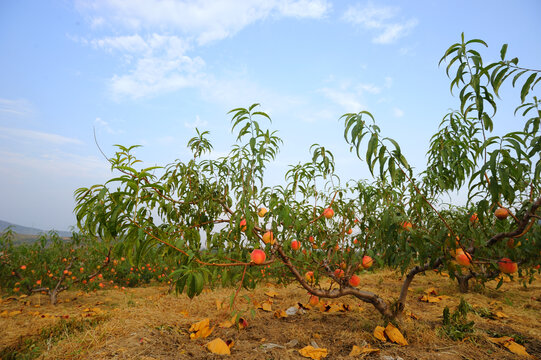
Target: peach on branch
354, 280
507, 266
258, 256
309, 276
261, 212
367, 262
295, 245
501, 213
268, 237
242, 225
328, 213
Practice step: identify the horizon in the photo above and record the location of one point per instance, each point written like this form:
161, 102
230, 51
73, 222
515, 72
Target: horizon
149, 72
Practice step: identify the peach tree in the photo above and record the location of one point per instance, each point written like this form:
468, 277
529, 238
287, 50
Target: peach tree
223, 226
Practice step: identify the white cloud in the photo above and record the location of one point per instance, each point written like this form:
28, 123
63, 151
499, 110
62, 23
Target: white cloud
22, 134
196, 124
398, 112
206, 20
382, 20
19, 107
105, 125
350, 96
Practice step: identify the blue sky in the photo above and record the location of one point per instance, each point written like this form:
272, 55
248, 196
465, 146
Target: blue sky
148, 72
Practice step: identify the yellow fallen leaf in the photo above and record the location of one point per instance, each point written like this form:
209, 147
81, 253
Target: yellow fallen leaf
243, 324
265, 305
279, 314
4, 314
15, 312
271, 293
431, 291
313, 353
501, 315
356, 351
516, 348
395, 335
501, 340
201, 329
379, 333
184, 313
219, 347
205, 323
411, 315
226, 324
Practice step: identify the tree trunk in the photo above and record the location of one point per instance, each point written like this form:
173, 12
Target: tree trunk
463, 285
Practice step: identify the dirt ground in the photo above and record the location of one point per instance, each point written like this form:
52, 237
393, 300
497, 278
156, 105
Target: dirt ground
147, 323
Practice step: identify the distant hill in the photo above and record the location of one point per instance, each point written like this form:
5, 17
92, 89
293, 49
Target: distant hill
24, 230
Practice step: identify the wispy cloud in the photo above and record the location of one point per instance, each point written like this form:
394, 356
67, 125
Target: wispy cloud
398, 112
23, 134
106, 126
159, 62
204, 20
350, 96
19, 107
382, 20
197, 123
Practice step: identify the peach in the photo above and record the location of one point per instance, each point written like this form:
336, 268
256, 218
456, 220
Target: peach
261, 212
295, 245
463, 259
507, 266
258, 256
268, 237
338, 273
328, 213
367, 262
354, 280
242, 225
314, 300
501, 213
309, 276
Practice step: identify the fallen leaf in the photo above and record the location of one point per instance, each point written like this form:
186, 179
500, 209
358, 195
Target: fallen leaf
313, 353
265, 305
243, 324
395, 335
501, 340
201, 329
14, 312
271, 293
501, 315
516, 348
431, 291
366, 349
280, 314
226, 324
219, 347
379, 333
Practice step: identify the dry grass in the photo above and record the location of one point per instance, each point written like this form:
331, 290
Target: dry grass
146, 323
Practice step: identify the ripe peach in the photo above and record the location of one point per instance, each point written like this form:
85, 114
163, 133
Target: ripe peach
406, 225
463, 259
268, 237
474, 218
311, 239
242, 225
354, 280
295, 245
338, 273
258, 256
501, 213
23, 267
328, 213
507, 266
261, 212
367, 262
309, 276
350, 231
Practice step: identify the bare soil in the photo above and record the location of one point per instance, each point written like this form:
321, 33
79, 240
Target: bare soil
147, 323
